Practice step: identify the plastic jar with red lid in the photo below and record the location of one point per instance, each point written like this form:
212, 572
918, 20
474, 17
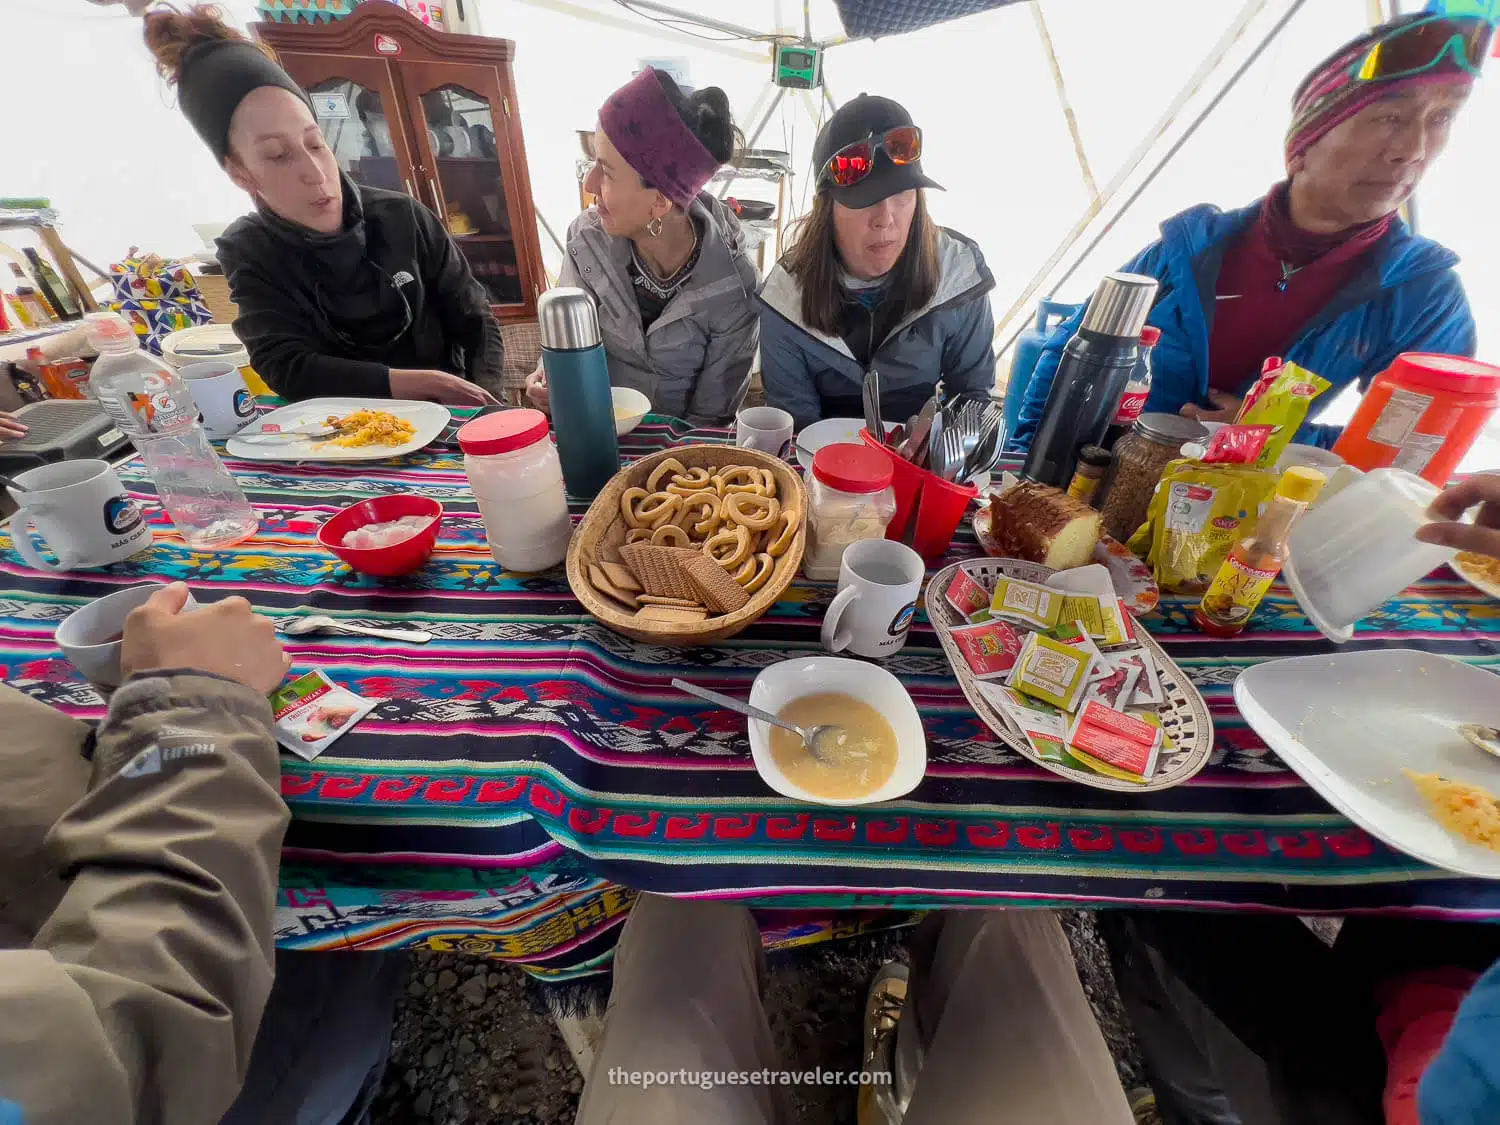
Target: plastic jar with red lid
849, 498
517, 480
1421, 414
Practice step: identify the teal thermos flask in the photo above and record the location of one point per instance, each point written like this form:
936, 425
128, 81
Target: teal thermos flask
583, 413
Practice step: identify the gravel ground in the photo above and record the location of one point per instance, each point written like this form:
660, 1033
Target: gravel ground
474, 1044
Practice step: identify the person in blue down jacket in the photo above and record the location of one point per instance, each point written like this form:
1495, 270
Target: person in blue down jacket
872, 283
1322, 271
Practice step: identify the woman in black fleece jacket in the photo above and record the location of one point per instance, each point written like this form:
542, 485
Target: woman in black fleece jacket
342, 289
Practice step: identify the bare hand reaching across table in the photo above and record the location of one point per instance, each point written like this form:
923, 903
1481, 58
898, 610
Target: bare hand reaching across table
1226, 407
1483, 535
536, 390
11, 426
438, 386
226, 639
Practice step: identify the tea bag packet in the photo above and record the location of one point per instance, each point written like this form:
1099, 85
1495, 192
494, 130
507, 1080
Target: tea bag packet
967, 596
1052, 671
1045, 727
1115, 743
989, 648
312, 712
1026, 603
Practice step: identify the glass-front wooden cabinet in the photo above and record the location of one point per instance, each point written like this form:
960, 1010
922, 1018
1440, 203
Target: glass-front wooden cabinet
411, 109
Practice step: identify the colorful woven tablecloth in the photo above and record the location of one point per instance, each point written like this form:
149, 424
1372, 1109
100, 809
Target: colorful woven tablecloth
528, 765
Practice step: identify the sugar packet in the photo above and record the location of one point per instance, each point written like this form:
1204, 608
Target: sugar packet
312, 711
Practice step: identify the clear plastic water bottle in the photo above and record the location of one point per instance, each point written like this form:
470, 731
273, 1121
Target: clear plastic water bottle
153, 406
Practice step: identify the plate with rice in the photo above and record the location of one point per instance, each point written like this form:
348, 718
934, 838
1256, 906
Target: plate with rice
1386, 737
1479, 571
365, 429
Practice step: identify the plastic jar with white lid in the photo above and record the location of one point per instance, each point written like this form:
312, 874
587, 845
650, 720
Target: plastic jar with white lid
849, 498
517, 479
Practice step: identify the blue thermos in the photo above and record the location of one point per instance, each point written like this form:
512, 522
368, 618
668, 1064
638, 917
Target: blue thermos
1029, 347
583, 412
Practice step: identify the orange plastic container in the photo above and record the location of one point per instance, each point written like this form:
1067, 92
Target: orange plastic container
1421, 414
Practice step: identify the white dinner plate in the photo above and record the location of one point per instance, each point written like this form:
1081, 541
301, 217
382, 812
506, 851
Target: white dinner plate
1350, 722
428, 417
830, 431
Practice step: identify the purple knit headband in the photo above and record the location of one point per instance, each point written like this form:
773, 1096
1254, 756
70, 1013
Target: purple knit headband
651, 135
1330, 95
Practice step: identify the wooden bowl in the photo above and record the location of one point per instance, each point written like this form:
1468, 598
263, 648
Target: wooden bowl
603, 530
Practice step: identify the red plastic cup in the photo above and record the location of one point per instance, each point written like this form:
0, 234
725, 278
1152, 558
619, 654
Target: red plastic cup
936, 505
398, 559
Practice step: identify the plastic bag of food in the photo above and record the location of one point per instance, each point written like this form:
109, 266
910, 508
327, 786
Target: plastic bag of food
1282, 403
1197, 513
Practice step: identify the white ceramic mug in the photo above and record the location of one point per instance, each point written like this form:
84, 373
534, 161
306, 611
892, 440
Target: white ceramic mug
879, 581
225, 404
1358, 548
90, 636
766, 428
81, 510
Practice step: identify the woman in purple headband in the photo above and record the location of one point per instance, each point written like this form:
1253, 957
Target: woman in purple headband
664, 260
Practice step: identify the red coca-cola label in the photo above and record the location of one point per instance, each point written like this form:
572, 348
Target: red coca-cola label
1131, 406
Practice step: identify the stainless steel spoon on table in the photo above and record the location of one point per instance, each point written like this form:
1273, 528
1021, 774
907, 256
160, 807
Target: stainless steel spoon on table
821, 740
303, 626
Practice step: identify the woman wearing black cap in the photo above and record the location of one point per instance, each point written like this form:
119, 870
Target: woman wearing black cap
342, 289
872, 283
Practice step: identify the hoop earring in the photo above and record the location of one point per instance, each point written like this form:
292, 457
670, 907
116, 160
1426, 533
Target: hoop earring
653, 228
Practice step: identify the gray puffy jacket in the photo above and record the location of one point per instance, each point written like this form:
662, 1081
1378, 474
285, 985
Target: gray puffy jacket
694, 361
950, 338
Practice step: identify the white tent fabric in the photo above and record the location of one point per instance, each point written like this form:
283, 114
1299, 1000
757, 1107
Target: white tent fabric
104, 142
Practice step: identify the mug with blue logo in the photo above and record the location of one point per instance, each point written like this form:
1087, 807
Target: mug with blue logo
225, 404
82, 513
879, 582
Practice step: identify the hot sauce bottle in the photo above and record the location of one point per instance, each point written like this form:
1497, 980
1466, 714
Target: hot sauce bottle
1254, 562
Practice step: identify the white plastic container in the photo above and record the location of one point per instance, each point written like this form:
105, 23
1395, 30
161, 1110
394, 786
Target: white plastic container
849, 499
1357, 548
517, 479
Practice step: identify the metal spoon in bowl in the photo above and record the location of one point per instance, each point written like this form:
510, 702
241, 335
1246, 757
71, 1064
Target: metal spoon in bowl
821, 740
302, 626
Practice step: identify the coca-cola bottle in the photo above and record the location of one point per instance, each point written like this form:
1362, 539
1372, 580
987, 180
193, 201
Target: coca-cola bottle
1137, 390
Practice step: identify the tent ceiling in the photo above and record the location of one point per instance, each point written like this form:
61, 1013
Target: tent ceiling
868, 19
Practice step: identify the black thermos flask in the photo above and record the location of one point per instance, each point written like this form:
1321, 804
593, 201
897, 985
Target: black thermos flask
1096, 364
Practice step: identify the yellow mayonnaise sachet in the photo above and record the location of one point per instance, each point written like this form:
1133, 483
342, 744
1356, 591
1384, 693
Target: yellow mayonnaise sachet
1197, 513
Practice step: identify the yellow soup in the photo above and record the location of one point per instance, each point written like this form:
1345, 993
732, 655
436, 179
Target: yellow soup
861, 762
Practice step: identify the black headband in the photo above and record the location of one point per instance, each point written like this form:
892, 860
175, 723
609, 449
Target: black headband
216, 75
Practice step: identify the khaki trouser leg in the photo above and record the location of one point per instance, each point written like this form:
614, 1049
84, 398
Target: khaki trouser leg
1008, 1035
686, 997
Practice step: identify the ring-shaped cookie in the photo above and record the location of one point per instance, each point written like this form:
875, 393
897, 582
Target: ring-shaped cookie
752, 510
770, 481
670, 535
781, 542
638, 535
745, 572
666, 470
706, 514
764, 565
628, 500
729, 546
695, 478
740, 475
657, 509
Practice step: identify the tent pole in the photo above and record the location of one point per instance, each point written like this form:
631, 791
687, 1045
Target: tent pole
1062, 97
1182, 140
1194, 84
608, 19
701, 20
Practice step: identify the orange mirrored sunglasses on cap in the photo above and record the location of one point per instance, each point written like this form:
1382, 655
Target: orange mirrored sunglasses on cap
852, 163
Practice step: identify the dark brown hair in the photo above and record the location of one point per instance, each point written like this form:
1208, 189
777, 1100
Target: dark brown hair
814, 261
169, 31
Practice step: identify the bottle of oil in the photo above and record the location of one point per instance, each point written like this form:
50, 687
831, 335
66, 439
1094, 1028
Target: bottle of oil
1255, 561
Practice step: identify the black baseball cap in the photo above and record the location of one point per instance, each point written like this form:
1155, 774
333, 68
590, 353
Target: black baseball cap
867, 116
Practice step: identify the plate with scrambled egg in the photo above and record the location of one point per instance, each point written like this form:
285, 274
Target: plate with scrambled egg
361, 429
1381, 736
1479, 571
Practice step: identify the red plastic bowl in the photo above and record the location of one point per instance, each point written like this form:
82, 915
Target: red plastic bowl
384, 562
